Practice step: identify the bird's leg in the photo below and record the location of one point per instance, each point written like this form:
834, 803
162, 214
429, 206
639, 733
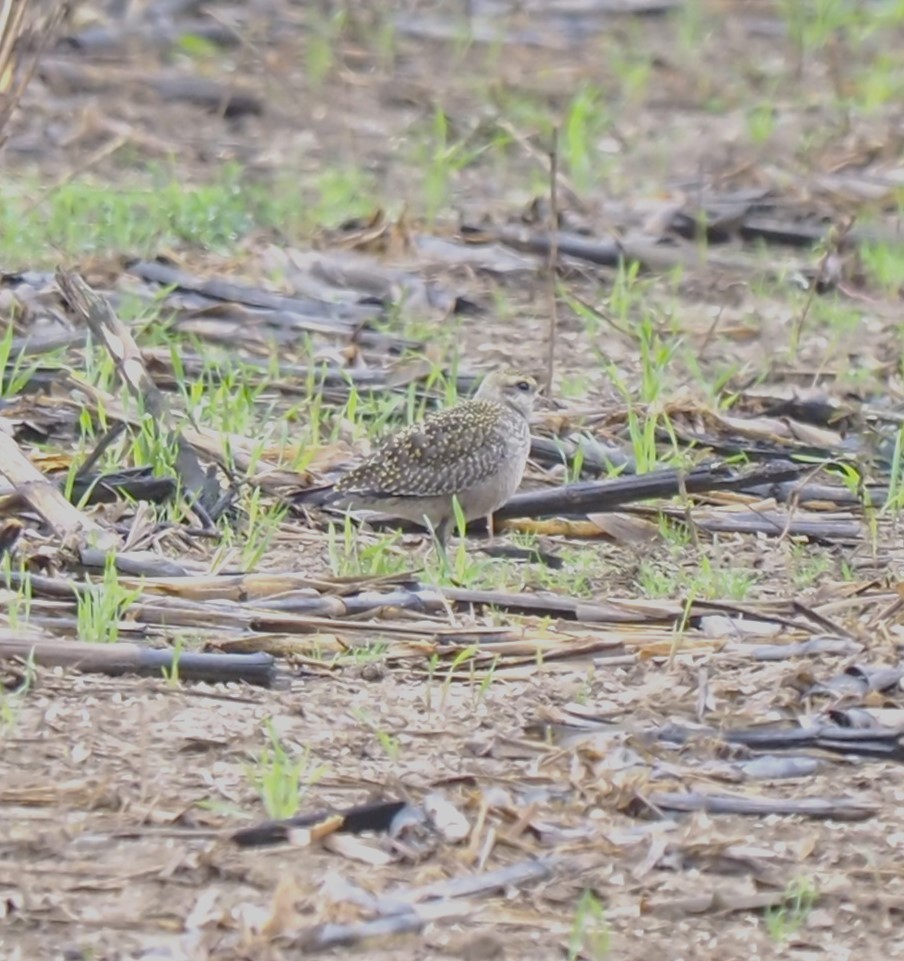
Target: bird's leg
442, 539
491, 530
440, 534
442, 531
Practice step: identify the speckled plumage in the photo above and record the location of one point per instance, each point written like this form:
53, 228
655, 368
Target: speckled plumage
476, 450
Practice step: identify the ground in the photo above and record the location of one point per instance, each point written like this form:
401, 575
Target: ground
727, 298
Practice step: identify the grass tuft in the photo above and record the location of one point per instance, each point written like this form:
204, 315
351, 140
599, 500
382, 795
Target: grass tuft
159, 210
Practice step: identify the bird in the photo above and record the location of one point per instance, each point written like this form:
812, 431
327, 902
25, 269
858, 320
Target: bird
475, 451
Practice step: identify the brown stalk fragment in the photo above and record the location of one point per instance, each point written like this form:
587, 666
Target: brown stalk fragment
116, 337
66, 520
26, 30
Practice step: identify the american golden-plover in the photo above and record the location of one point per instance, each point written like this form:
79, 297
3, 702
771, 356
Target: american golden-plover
475, 451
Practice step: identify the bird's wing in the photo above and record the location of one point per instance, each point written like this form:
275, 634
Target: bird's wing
444, 454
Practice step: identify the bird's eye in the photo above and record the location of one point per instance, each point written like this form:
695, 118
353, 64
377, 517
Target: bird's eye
523, 385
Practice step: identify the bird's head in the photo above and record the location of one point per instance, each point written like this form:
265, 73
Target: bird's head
512, 388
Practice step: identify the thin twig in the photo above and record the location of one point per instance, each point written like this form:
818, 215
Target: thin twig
553, 257
688, 510
834, 240
523, 141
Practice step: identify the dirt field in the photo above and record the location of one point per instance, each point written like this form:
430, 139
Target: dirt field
671, 723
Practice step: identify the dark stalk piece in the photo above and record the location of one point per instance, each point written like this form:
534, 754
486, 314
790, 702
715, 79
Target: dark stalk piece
114, 660
588, 497
611, 251
308, 314
376, 816
838, 809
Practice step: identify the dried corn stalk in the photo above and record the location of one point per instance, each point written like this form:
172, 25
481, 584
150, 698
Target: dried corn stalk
26, 29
